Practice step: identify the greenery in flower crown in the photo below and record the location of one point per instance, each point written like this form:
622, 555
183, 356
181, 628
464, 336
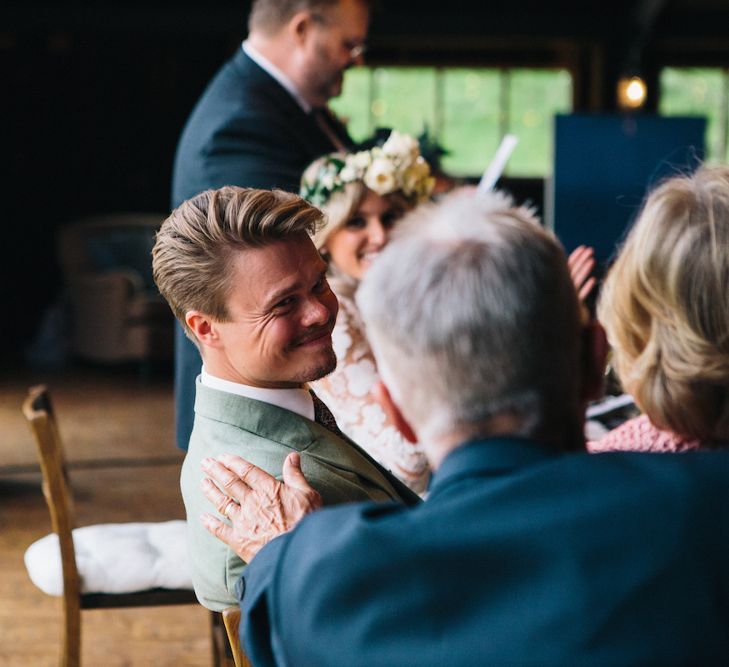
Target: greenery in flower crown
396, 166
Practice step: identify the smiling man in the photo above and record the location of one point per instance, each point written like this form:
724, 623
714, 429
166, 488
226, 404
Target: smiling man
246, 283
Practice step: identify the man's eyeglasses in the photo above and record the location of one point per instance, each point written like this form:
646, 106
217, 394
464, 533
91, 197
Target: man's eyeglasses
356, 49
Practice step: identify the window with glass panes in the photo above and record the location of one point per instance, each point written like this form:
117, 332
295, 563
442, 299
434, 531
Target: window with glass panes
467, 110
700, 92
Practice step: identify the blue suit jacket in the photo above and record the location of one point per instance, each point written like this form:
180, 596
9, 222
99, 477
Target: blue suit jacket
517, 557
245, 130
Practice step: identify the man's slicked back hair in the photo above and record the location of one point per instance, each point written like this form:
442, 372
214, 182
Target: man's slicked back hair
195, 247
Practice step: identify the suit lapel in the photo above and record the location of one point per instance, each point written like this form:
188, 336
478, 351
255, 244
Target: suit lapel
298, 434
311, 138
344, 454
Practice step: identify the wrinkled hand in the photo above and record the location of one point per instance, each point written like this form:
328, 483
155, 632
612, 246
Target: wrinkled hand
581, 262
258, 506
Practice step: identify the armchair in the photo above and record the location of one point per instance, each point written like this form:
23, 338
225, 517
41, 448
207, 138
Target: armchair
117, 314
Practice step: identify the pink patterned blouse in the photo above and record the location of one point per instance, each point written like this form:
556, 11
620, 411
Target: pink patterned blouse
640, 435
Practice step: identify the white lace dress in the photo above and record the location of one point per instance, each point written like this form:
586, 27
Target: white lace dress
347, 393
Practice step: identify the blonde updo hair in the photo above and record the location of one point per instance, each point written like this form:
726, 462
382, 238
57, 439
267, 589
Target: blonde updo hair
665, 307
343, 204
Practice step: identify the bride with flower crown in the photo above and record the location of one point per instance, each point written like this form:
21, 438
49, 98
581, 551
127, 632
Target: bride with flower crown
362, 195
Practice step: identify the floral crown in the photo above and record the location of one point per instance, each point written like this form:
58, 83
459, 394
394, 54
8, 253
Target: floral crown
395, 166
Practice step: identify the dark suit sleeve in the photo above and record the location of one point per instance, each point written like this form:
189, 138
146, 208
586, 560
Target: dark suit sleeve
187, 367
256, 152
258, 632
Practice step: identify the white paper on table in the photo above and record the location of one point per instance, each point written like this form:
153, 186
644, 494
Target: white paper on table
608, 404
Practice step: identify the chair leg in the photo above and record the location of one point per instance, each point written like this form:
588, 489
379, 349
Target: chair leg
219, 640
231, 619
71, 632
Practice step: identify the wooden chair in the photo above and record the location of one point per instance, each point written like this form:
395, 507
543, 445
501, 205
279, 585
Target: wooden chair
38, 410
231, 619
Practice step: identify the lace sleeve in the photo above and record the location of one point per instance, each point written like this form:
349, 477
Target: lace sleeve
347, 392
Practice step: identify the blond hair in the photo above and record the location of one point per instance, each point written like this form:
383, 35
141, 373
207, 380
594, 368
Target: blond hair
666, 310
196, 245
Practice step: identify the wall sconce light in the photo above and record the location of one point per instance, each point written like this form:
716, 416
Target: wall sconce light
632, 92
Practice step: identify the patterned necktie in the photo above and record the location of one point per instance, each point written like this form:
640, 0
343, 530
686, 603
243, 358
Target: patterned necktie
322, 116
323, 416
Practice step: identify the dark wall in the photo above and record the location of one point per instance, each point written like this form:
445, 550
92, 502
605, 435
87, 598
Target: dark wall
95, 94
90, 119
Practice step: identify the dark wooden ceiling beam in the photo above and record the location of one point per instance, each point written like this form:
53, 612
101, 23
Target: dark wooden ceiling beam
644, 21
524, 29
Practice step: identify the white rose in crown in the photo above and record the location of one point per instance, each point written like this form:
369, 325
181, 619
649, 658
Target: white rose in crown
396, 165
380, 176
402, 146
327, 180
361, 160
348, 173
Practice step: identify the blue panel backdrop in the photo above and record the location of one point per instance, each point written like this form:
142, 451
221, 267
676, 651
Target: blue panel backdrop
604, 165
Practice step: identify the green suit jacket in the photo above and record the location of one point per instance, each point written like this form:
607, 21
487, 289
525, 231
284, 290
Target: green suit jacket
265, 434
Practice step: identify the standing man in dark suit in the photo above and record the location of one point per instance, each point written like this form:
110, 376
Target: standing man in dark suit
263, 118
528, 551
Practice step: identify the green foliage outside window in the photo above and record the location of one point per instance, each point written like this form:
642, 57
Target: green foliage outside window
699, 92
535, 97
353, 104
473, 122
468, 110
404, 98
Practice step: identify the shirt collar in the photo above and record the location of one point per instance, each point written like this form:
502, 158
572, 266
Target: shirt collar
266, 65
297, 400
489, 457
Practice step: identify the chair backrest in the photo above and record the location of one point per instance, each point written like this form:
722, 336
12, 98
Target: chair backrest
38, 411
98, 243
231, 619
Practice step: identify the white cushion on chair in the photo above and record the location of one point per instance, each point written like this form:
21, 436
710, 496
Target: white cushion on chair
115, 558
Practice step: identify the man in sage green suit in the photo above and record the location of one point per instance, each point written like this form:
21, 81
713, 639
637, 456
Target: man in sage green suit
241, 274
265, 434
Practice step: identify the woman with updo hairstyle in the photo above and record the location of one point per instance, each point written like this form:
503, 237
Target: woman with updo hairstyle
665, 307
362, 196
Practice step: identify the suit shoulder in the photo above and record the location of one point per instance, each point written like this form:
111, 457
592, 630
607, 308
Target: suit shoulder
239, 92
211, 438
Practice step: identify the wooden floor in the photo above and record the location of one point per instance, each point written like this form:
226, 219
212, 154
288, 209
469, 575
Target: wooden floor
124, 467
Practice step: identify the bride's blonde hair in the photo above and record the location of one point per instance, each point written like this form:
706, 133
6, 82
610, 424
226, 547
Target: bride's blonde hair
665, 306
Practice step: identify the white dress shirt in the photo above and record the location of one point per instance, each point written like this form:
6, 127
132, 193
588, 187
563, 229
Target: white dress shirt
296, 400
